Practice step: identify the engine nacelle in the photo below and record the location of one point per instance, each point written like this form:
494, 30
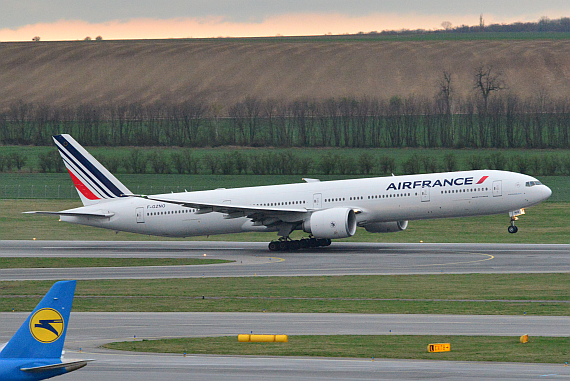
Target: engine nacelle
386, 227
331, 223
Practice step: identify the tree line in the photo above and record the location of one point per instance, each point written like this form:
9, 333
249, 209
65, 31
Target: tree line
545, 24
290, 162
497, 120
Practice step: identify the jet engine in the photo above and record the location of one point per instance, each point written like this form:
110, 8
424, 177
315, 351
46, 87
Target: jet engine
386, 227
331, 223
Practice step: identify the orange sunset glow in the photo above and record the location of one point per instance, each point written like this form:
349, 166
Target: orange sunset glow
286, 25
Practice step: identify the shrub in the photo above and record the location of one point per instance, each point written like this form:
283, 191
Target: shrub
257, 165
328, 163
565, 165
227, 164
288, 163
366, 163
18, 160
211, 162
387, 165
412, 165
449, 162
305, 165
241, 162
475, 162
496, 160
136, 162
519, 164
550, 165
345, 165
45, 162
429, 164
535, 165
159, 162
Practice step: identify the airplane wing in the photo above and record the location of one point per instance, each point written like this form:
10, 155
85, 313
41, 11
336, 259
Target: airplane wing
69, 365
260, 215
73, 214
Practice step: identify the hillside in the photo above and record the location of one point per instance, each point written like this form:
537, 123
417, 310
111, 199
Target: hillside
225, 71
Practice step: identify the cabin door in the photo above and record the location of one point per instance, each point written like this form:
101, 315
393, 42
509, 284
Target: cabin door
140, 215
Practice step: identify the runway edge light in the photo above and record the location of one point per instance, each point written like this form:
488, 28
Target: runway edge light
524, 339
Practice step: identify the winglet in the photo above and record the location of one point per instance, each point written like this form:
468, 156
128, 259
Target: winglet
43, 333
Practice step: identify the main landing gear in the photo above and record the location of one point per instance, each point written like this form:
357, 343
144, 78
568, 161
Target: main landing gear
285, 244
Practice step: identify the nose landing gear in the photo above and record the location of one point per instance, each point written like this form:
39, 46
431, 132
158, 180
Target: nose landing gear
514, 217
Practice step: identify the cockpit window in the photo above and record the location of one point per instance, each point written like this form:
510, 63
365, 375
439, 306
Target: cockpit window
532, 183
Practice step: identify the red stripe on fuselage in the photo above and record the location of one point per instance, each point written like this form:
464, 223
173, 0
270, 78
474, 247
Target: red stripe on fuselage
482, 179
82, 188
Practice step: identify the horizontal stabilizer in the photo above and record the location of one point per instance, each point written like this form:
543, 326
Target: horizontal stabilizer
73, 214
68, 365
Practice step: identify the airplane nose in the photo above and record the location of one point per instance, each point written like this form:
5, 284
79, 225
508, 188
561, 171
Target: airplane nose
547, 192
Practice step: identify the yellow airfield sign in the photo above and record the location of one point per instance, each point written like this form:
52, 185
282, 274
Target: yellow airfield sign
440, 347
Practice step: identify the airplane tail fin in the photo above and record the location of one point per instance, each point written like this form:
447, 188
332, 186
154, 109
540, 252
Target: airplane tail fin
43, 333
93, 181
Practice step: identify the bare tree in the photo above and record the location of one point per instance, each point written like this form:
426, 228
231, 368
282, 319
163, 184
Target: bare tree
486, 80
446, 25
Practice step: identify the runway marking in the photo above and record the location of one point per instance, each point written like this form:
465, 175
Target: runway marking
489, 257
277, 259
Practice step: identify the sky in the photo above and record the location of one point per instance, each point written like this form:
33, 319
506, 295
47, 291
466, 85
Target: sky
21, 20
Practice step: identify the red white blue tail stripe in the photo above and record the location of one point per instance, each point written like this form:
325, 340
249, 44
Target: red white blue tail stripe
93, 182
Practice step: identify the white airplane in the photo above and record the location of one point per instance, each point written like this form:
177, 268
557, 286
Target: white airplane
326, 210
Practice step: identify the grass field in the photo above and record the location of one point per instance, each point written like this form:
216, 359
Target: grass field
463, 348
479, 294
58, 262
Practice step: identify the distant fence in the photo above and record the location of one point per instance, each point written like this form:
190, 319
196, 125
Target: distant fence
69, 192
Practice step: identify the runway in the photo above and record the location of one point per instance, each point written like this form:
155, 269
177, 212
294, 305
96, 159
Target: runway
253, 259
148, 367
89, 330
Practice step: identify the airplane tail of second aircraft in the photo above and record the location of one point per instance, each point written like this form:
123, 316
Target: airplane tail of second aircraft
42, 335
93, 181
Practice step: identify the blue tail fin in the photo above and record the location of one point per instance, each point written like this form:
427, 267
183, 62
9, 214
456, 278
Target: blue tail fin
43, 333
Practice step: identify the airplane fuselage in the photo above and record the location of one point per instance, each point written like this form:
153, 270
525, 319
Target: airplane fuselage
376, 200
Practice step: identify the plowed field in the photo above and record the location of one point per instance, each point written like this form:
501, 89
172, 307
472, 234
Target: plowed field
226, 71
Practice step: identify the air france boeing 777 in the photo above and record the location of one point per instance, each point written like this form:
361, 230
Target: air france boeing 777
326, 210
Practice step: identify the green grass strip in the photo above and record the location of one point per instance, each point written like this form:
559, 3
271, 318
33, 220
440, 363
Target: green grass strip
463, 348
62, 262
496, 294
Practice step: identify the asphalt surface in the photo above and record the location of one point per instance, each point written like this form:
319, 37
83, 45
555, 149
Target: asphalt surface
88, 330
254, 259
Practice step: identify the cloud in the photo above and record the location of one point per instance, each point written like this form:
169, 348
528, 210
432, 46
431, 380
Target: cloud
288, 25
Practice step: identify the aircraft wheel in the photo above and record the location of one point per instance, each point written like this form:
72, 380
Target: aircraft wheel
294, 245
313, 242
513, 229
283, 245
273, 246
321, 242
328, 242
305, 243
